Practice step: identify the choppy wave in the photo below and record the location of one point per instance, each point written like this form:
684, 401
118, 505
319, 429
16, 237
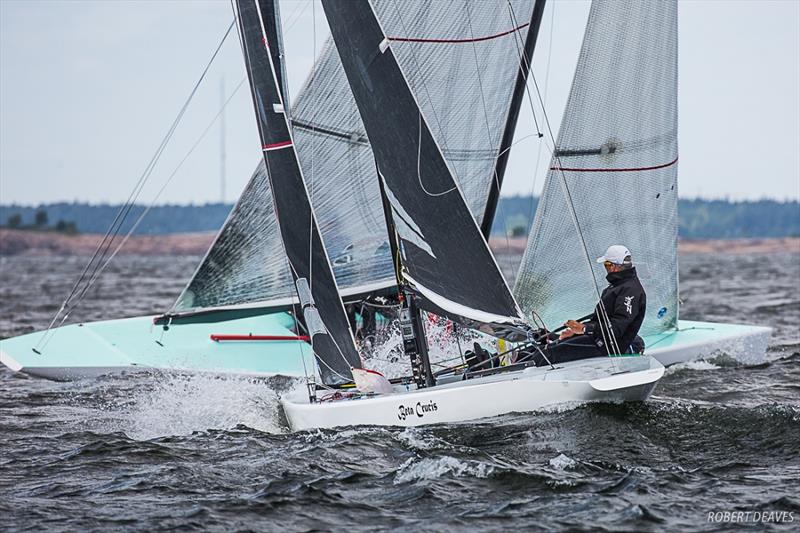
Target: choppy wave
194, 451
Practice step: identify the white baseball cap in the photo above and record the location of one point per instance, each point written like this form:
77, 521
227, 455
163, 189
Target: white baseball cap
615, 254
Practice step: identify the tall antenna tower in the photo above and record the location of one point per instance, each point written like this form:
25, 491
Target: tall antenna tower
222, 141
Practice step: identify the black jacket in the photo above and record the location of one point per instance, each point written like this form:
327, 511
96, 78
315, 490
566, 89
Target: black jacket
625, 302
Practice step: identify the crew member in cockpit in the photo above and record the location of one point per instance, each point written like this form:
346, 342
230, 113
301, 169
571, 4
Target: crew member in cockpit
613, 328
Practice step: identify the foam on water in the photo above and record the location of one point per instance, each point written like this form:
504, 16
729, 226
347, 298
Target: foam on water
691, 365
386, 355
710, 438
562, 462
418, 439
446, 344
433, 468
184, 404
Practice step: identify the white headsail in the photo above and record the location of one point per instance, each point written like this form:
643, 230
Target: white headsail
616, 164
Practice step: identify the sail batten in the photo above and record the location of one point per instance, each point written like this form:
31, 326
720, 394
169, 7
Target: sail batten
617, 155
314, 282
443, 254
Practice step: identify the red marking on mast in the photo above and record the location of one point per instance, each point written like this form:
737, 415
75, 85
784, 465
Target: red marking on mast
276, 146
635, 169
456, 41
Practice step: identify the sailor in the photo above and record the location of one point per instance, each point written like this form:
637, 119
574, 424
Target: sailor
614, 326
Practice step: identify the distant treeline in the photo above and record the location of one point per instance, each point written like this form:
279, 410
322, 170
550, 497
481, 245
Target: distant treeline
160, 220
699, 219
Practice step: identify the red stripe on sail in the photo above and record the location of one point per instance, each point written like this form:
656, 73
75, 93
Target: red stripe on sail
275, 146
634, 169
456, 41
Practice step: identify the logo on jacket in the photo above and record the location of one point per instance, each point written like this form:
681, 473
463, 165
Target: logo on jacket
629, 304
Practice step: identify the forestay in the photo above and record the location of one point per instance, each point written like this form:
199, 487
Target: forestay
320, 303
458, 56
444, 257
616, 162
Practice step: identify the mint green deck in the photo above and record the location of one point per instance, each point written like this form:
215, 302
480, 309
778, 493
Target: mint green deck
133, 344
694, 340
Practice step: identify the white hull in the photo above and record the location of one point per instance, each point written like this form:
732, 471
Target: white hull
531, 389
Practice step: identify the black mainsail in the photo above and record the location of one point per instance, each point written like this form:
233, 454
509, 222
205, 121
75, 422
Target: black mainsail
457, 55
445, 259
315, 285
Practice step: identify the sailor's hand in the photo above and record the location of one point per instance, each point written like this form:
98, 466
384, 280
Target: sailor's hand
567, 333
575, 326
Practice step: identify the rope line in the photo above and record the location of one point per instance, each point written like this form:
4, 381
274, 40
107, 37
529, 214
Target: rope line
531, 209
96, 264
419, 172
495, 177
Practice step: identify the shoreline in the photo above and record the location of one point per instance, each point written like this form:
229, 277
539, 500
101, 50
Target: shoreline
35, 243
754, 245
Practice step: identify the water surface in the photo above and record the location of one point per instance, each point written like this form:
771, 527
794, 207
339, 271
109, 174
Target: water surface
197, 452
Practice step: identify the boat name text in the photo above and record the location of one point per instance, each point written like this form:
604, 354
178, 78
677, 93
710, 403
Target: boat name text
404, 411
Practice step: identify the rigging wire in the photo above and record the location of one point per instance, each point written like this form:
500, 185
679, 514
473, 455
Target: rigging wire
152, 204
613, 345
495, 177
539, 135
114, 229
83, 293
294, 17
289, 26
524, 62
531, 209
311, 177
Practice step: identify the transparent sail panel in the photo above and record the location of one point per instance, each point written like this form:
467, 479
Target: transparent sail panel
237, 268
460, 57
617, 154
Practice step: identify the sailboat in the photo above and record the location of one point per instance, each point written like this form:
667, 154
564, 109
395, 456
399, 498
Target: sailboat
443, 265
238, 313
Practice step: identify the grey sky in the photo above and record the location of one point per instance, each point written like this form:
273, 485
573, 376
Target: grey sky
87, 90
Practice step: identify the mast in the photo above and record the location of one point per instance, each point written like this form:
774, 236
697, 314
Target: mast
513, 115
415, 344
316, 288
